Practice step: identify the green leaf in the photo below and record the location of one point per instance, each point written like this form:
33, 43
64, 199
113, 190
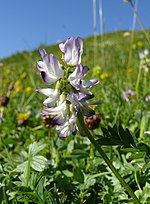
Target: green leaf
38, 163
116, 135
79, 154
138, 155
68, 173
78, 175
35, 148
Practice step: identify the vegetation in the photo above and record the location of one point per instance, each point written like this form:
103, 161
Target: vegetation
36, 166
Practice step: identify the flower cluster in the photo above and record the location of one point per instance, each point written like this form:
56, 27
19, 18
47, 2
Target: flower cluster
71, 93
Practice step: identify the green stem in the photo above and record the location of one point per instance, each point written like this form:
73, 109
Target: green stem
140, 22
85, 131
28, 169
138, 81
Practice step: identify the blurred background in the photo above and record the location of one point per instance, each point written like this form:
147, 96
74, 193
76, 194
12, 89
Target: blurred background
27, 24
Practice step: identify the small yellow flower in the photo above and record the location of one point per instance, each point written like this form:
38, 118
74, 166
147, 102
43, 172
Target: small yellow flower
23, 116
18, 88
29, 90
13, 94
23, 75
139, 43
97, 70
130, 69
17, 83
6, 81
104, 75
7, 71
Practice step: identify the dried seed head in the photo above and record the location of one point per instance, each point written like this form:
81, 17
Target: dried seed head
10, 87
4, 100
48, 121
92, 122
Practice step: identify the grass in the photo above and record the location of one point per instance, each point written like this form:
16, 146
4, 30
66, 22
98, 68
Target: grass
39, 167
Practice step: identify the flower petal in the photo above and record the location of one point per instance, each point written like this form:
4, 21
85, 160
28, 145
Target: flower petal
72, 50
50, 68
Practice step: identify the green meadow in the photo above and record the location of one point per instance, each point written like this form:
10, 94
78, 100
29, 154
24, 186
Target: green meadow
37, 166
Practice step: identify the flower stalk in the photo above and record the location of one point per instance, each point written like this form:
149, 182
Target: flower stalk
84, 131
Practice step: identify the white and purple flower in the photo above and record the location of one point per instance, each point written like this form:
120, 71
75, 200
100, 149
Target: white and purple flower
128, 94
80, 102
71, 94
72, 50
147, 98
50, 68
76, 81
53, 96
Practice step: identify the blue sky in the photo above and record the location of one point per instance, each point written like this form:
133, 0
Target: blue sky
25, 24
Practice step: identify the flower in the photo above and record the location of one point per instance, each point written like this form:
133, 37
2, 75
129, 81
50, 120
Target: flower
29, 90
147, 98
79, 101
53, 95
143, 54
60, 113
23, 75
8, 71
128, 94
22, 118
72, 50
76, 81
71, 93
68, 127
104, 75
50, 68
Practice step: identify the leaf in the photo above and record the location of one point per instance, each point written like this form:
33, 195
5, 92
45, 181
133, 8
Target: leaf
35, 148
40, 187
79, 154
116, 135
138, 155
38, 163
78, 175
68, 173
21, 167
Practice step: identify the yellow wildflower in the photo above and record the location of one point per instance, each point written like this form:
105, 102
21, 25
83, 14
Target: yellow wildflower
130, 69
18, 88
6, 81
13, 94
7, 71
23, 75
17, 83
139, 43
23, 116
97, 70
104, 75
29, 90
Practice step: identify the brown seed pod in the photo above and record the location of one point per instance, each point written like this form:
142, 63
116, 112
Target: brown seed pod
4, 100
48, 120
92, 122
